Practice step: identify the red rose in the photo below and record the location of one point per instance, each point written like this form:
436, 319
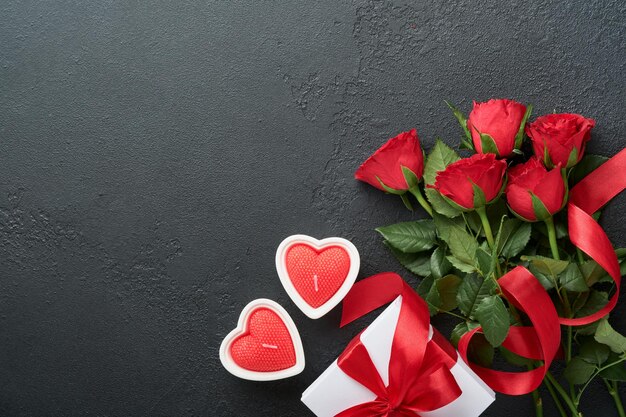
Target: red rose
501, 120
457, 180
385, 165
563, 136
532, 178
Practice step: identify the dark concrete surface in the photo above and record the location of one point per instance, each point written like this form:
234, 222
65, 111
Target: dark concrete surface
154, 153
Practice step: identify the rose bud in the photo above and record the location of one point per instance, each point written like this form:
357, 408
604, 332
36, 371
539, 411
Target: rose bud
472, 182
497, 126
560, 138
533, 192
384, 169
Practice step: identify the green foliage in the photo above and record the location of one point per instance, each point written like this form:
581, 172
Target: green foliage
494, 319
460, 329
441, 155
439, 263
513, 237
429, 292
448, 287
606, 335
417, 263
410, 237
472, 291
578, 371
595, 302
546, 269
463, 122
572, 279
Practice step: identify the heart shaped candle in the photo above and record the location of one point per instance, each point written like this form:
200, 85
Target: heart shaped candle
317, 274
265, 345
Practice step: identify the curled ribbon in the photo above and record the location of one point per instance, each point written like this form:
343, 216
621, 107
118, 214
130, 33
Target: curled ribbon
587, 197
419, 371
541, 341
538, 342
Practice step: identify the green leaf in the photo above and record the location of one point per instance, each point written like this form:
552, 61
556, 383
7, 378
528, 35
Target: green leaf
514, 237
588, 330
579, 302
606, 335
586, 165
519, 137
472, 291
429, 292
460, 329
572, 279
417, 263
547, 266
441, 155
616, 372
494, 319
439, 264
578, 371
460, 265
461, 244
592, 272
410, 237
594, 352
484, 262
440, 204
462, 121
546, 281
448, 287
596, 301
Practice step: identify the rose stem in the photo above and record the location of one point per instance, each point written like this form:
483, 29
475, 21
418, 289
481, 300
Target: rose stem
420, 199
563, 394
485, 221
538, 403
557, 402
482, 213
566, 304
612, 387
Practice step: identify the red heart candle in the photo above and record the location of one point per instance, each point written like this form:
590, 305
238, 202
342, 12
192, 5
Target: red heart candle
317, 274
265, 345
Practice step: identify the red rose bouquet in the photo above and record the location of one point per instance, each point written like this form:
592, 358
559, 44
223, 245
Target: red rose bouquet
513, 250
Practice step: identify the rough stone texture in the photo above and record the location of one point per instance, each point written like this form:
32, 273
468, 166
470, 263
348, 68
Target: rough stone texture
155, 153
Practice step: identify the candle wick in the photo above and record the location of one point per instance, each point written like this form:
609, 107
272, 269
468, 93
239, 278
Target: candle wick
315, 283
265, 345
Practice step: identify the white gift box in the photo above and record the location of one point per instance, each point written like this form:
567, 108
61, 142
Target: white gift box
334, 391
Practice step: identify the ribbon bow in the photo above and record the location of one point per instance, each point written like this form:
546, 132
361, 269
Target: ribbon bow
415, 384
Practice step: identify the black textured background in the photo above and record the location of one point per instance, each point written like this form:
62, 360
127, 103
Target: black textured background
154, 153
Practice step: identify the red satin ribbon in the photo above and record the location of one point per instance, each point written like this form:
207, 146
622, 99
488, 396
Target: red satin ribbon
419, 370
539, 342
587, 197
